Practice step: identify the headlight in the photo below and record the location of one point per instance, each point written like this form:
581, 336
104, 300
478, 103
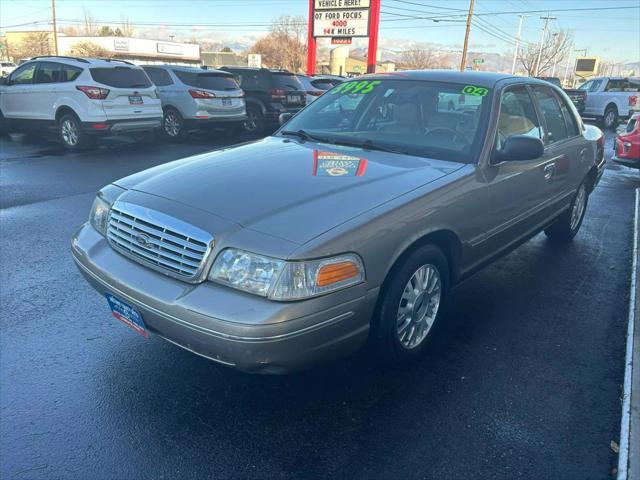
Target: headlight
100, 215
280, 280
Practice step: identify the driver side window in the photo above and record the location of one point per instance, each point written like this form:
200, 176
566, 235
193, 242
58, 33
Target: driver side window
23, 75
517, 116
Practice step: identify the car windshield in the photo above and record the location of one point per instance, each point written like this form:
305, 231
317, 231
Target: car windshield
422, 118
209, 80
286, 81
306, 82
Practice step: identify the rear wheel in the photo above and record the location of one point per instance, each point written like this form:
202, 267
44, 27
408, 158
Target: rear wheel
610, 119
254, 124
70, 132
173, 125
567, 225
411, 304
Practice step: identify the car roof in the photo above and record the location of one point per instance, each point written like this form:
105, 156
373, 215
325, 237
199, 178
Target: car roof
183, 68
81, 61
271, 70
482, 79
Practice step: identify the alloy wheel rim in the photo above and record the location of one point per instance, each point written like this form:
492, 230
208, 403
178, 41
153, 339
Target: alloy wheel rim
418, 306
251, 124
171, 125
578, 207
609, 119
69, 133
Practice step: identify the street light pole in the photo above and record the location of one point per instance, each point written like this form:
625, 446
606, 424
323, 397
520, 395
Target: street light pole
544, 33
55, 27
515, 51
463, 61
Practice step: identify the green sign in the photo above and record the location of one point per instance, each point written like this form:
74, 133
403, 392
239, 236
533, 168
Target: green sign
478, 61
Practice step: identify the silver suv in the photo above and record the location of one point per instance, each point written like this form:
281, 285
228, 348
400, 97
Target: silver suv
194, 98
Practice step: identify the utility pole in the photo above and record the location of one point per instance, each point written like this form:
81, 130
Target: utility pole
463, 62
55, 27
515, 51
544, 33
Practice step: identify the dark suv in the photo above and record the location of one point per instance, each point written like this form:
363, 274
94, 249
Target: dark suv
268, 93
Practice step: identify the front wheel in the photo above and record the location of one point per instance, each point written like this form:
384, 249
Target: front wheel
567, 225
70, 132
411, 304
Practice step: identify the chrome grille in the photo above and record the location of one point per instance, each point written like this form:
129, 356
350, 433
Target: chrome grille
158, 240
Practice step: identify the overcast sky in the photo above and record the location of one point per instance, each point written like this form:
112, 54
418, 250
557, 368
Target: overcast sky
612, 34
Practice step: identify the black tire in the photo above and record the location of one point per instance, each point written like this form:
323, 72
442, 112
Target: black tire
4, 128
565, 228
173, 125
254, 125
610, 120
70, 133
385, 335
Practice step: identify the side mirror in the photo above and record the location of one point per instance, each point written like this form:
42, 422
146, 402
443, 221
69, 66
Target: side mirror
518, 148
284, 118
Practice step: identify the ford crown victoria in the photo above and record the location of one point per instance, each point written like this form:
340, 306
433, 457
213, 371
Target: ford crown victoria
352, 222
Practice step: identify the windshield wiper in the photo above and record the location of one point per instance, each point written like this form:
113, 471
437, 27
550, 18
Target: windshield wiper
304, 135
369, 145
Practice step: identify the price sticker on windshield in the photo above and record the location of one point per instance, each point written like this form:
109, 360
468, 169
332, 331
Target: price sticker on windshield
362, 87
475, 91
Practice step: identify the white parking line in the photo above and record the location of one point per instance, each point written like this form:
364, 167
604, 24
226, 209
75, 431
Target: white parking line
623, 458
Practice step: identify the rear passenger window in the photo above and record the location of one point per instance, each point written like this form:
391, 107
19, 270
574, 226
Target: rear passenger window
569, 118
121, 77
70, 73
159, 76
517, 116
553, 118
616, 85
209, 81
48, 72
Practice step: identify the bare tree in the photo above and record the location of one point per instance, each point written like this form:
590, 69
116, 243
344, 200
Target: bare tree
89, 27
32, 45
285, 45
418, 57
89, 49
125, 27
555, 50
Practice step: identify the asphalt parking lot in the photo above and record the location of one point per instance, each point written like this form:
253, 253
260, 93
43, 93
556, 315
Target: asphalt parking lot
523, 381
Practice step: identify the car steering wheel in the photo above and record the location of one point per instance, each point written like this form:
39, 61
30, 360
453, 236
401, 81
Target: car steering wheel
451, 131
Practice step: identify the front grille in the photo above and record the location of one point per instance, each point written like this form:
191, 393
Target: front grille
159, 241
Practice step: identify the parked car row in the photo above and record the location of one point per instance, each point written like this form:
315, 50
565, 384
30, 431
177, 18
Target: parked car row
79, 99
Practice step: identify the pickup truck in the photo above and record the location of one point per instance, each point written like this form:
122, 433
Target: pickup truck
576, 95
611, 98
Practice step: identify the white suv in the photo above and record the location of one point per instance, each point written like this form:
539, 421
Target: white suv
79, 98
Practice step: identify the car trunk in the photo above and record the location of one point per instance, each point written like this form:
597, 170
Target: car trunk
288, 90
227, 93
131, 93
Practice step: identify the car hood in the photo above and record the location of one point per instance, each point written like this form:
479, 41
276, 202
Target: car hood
287, 188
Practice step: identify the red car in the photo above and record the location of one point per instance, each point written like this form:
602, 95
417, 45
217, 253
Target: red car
627, 144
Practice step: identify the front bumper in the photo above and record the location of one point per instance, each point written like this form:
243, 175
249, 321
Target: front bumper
234, 328
628, 162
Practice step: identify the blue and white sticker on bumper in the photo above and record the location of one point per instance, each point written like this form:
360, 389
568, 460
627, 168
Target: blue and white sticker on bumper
127, 314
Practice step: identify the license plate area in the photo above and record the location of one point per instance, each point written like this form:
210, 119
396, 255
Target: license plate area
294, 99
127, 314
227, 102
135, 100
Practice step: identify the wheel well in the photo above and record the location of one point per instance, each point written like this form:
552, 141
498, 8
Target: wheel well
63, 111
615, 107
591, 178
447, 241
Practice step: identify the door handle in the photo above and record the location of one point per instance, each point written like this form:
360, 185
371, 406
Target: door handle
548, 171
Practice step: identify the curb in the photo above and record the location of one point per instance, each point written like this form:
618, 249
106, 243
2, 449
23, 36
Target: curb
629, 457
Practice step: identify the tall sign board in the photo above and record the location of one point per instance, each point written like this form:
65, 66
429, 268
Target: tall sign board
342, 20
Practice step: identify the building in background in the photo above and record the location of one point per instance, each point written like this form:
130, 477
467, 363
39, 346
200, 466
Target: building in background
221, 59
136, 50
342, 63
